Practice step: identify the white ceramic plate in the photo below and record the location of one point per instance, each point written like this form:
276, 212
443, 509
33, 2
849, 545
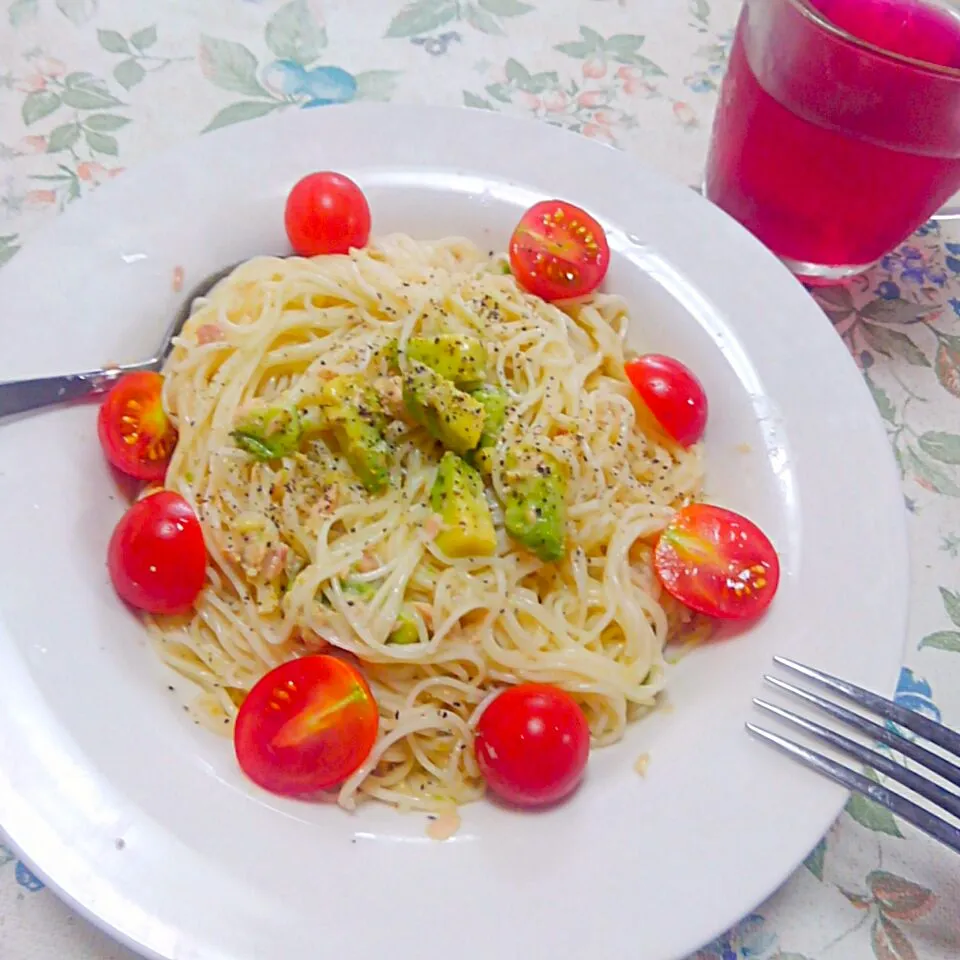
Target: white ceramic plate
143, 821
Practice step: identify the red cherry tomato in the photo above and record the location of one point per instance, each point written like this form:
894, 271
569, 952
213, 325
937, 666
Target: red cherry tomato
156, 557
558, 251
672, 394
532, 744
136, 435
327, 213
306, 726
717, 562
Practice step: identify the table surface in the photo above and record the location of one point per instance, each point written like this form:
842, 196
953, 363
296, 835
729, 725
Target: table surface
90, 87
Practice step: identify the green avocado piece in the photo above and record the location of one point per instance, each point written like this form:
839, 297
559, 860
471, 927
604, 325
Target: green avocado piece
535, 507
390, 354
461, 359
359, 588
365, 450
495, 403
405, 630
448, 414
350, 408
457, 496
268, 432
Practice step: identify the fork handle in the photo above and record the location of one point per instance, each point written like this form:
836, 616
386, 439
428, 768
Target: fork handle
21, 396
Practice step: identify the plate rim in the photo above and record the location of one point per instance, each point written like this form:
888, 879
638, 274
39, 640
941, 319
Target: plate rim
432, 114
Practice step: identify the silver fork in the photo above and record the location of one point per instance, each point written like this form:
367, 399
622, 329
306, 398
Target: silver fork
935, 733
20, 396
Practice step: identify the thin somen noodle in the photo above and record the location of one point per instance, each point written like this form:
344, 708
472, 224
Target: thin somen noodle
303, 557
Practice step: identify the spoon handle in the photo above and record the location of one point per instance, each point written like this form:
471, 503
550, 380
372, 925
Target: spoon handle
19, 396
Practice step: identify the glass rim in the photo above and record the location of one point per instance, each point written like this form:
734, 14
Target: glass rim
806, 10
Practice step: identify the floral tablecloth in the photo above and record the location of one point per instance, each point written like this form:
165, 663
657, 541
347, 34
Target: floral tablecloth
89, 87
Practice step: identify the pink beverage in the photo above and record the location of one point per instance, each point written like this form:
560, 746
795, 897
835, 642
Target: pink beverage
838, 128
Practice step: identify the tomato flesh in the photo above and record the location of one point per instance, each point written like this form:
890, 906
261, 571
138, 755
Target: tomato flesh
717, 562
327, 213
306, 726
673, 395
559, 251
135, 433
532, 744
157, 558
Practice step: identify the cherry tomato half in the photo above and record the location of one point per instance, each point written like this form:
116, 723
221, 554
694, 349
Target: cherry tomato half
306, 726
558, 251
672, 394
327, 213
135, 433
717, 562
532, 744
157, 558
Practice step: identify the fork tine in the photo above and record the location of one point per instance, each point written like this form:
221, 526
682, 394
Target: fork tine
914, 751
946, 799
897, 804
929, 729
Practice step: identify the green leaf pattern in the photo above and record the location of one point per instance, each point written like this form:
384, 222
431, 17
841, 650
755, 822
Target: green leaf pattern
293, 34
376, 84
39, 104
78, 12
422, 16
22, 11
605, 70
230, 65
871, 815
242, 110
815, 861
144, 39
8, 247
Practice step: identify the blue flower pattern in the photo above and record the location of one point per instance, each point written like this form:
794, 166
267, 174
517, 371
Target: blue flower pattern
316, 87
748, 940
23, 874
912, 267
708, 79
915, 694
888, 290
437, 46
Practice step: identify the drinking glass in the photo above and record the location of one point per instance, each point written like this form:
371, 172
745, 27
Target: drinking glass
838, 128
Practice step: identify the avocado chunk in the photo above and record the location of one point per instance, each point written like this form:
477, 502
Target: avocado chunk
365, 450
495, 402
459, 358
349, 407
457, 495
389, 355
268, 432
405, 630
448, 414
535, 507
314, 419
359, 588
353, 391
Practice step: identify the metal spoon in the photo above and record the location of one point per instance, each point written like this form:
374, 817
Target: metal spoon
19, 396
